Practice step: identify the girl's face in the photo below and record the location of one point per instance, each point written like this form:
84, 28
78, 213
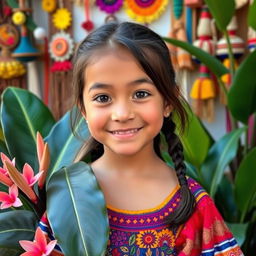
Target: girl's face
123, 107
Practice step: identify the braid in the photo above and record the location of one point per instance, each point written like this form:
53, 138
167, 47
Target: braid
175, 150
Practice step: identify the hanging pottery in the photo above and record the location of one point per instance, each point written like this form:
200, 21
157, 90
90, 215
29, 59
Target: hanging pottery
193, 3
145, 11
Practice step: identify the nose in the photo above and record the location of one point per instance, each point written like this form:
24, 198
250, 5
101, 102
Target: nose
122, 112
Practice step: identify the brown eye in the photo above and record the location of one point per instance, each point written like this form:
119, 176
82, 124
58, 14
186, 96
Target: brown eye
102, 98
141, 94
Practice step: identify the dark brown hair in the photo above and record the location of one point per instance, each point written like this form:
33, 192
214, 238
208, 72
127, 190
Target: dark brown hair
152, 54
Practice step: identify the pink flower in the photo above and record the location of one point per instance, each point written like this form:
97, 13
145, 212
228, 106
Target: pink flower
7, 159
39, 247
4, 177
10, 199
29, 176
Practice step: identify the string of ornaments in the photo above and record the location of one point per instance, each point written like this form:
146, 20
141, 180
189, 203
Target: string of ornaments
61, 45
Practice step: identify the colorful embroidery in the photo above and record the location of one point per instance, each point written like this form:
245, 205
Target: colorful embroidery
148, 233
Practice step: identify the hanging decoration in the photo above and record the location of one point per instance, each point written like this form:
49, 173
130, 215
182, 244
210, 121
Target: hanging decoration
25, 51
194, 3
251, 42
61, 48
9, 67
49, 5
87, 24
203, 89
145, 11
238, 49
109, 6
62, 18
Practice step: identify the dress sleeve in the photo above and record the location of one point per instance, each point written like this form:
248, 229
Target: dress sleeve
45, 227
206, 234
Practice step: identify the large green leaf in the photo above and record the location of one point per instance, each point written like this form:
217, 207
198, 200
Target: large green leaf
211, 62
195, 153
222, 11
251, 15
63, 145
245, 185
76, 211
15, 226
242, 94
239, 231
22, 115
220, 155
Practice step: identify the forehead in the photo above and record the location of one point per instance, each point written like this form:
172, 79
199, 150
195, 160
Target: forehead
112, 65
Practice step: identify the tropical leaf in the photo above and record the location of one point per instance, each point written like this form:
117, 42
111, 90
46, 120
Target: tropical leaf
195, 153
251, 15
22, 115
245, 185
63, 144
216, 67
15, 226
242, 94
82, 212
222, 12
220, 155
239, 231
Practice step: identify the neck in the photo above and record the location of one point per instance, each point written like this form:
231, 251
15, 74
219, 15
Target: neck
141, 163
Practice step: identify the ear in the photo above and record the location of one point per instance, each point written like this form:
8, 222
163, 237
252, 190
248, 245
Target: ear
82, 110
167, 110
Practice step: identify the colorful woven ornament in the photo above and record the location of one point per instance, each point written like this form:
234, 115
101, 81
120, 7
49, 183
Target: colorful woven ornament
251, 39
62, 18
145, 11
203, 89
87, 24
61, 46
109, 6
49, 5
19, 18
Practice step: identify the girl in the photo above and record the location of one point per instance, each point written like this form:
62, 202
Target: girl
125, 88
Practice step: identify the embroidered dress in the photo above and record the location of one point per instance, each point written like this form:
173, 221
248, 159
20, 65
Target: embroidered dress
147, 232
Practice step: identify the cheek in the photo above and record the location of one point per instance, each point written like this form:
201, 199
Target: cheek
96, 120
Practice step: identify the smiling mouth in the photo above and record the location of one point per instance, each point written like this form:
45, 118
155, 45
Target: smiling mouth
125, 132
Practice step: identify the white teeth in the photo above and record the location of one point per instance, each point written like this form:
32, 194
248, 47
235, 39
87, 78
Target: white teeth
125, 132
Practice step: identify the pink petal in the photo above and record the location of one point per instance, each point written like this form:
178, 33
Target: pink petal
13, 192
50, 247
31, 254
3, 171
40, 239
28, 173
29, 246
35, 178
17, 203
4, 197
4, 157
5, 205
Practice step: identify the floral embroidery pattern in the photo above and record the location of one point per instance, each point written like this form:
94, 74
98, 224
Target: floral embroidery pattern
147, 239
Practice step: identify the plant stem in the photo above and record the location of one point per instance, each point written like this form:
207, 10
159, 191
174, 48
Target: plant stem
246, 142
230, 55
253, 141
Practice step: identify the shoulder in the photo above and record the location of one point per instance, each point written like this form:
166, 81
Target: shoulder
202, 197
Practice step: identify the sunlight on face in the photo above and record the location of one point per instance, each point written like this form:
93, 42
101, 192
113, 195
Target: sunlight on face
123, 107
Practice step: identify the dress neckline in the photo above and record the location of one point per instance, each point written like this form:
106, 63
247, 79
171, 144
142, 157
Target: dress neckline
147, 211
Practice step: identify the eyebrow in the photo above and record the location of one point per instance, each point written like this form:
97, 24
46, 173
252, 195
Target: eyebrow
132, 83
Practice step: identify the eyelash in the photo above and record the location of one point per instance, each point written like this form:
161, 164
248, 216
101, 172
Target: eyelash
99, 98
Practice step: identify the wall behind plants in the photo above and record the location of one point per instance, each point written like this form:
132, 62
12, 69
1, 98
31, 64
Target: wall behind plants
162, 26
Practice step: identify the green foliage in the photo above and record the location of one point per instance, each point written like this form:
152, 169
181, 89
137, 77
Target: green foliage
78, 207
15, 226
222, 12
242, 94
22, 116
227, 172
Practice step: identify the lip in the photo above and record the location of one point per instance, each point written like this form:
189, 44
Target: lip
125, 133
